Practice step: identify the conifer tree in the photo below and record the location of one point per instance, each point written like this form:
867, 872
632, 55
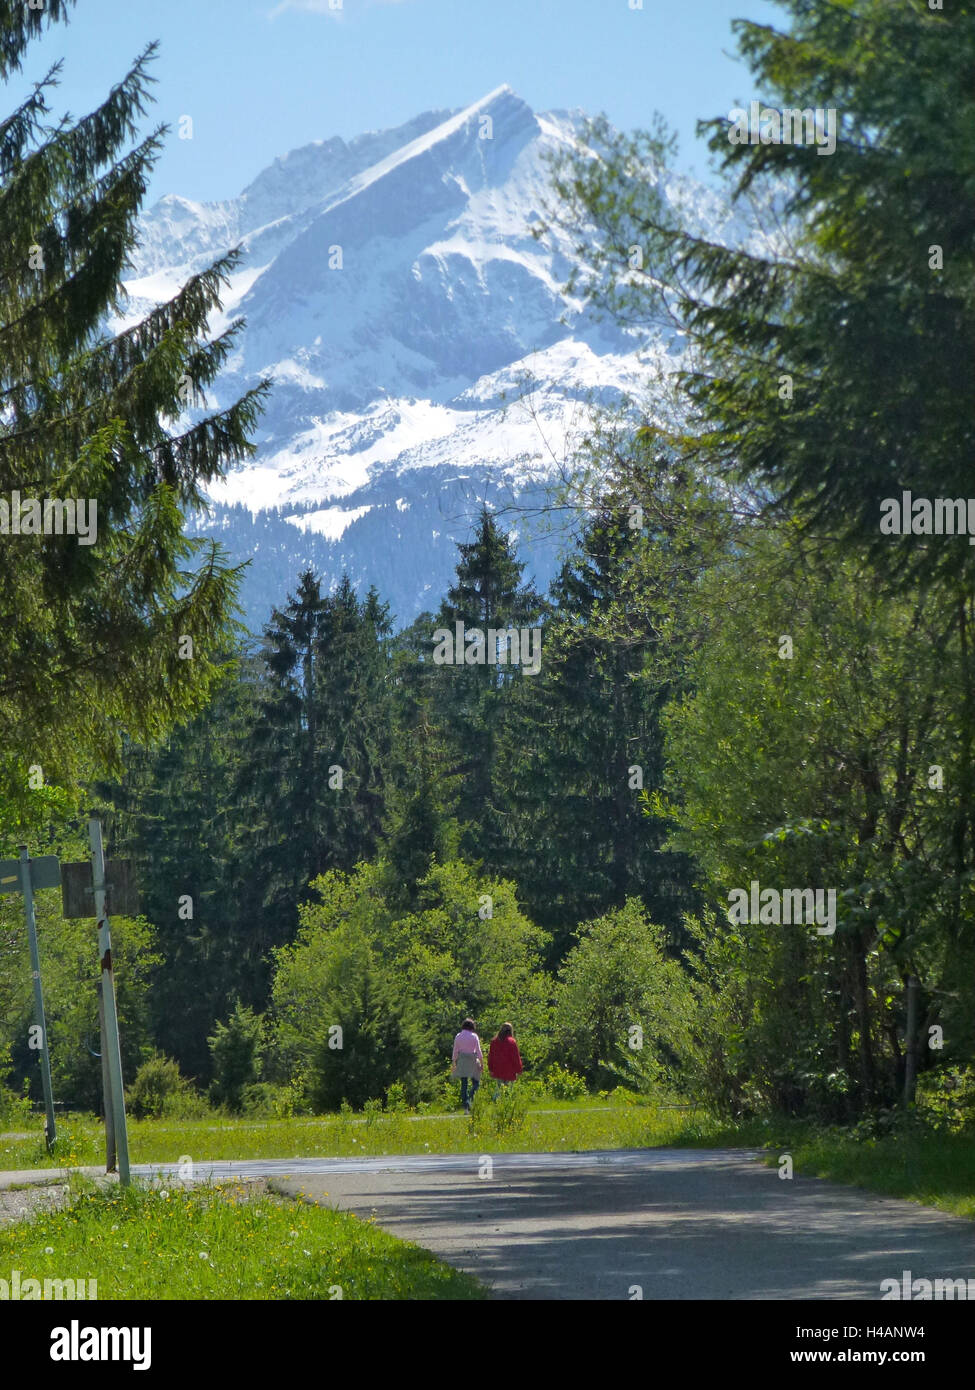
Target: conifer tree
582, 747
312, 772
488, 593
120, 633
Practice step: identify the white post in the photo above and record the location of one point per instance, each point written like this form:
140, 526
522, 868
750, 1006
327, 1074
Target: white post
108, 998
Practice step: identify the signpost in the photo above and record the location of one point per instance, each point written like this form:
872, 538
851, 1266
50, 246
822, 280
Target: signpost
84, 893
111, 1041
27, 876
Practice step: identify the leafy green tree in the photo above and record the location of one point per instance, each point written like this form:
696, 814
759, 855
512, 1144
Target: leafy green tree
380, 1046
620, 994
361, 962
70, 975
820, 746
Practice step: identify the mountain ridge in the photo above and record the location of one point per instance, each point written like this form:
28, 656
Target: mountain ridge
396, 295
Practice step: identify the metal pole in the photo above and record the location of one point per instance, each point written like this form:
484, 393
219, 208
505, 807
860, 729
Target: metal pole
108, 999
111, 1162
910, 1065
35, 967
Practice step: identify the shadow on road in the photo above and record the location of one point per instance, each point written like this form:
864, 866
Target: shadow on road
715, 1230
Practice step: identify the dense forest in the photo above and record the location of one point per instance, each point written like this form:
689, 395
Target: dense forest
748, 688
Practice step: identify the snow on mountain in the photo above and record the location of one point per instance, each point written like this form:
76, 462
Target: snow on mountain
394, 292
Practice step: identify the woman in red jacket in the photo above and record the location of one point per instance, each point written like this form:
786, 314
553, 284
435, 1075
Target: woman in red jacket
504, 1059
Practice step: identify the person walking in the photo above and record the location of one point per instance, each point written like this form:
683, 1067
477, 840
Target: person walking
467, 1062
504, 1059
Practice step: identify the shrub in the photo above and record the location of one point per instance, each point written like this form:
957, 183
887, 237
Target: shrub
563, 1084
160, 1090
14, 1109
396, 1099
267, 1102
236, 1047
946, 1099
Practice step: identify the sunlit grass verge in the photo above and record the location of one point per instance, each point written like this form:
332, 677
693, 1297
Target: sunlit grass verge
209, 1244
920, 1165
624, 1125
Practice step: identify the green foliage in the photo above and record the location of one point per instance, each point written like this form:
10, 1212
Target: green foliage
159, 1090
563, 1084
91, 632
582, 739
14, 1109
70, 975
399, 983
237, 1048
946, 1100
617, 980
396, 1099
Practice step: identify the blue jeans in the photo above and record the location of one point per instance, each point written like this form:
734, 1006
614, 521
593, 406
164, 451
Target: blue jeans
473, 1082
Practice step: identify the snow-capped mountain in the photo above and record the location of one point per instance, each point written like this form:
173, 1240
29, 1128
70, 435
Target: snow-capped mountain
394, 292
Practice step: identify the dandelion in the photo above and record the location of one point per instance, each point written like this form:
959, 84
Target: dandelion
164, 1194
49, 1250
204, 1255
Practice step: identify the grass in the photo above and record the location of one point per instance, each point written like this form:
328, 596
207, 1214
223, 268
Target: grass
212, 1243
937, 1170
550, 1128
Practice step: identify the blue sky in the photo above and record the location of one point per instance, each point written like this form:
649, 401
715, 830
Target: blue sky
260, 77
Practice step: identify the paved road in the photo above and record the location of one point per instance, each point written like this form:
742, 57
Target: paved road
678, 1223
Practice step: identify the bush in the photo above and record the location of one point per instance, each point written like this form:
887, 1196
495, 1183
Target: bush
396, 1099
14, 1109
946, 1099
264, 1101
563, 1084
236, 1047
160, 1091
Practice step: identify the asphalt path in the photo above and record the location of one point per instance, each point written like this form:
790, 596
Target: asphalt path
626, 1224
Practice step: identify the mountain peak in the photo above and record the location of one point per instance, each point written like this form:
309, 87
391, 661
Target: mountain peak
393, 291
